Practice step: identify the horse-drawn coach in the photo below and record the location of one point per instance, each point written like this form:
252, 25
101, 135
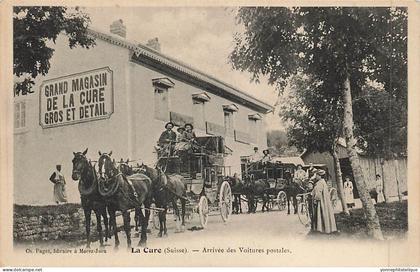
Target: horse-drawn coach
205, 177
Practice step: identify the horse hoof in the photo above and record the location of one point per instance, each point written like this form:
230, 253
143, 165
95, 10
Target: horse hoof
165, 234
142, 244
160, 234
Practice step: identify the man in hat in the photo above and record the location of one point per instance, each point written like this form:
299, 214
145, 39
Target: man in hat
167, 139
59, 185
266, 157
300, 176
323, 220
256, 156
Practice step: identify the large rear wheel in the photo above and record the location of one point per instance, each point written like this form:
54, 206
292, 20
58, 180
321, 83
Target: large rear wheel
225, 201
303, 214
203, 211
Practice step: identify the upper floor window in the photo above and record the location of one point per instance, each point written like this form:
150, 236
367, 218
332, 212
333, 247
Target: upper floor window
20, 115
199, 109
254, 121
228, 111
161, 97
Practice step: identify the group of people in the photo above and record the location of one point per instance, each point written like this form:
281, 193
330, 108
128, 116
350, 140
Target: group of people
376, 192
321, 210
257, 157
170, 142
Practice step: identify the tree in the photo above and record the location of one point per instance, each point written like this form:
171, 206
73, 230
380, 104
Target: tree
33, 28
315, 121
334, 45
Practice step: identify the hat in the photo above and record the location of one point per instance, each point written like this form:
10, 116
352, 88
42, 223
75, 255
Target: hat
256, 148
266, 150
320, 172
169, 123
180, 128
188, 124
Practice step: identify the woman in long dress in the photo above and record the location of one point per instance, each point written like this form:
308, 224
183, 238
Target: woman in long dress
348, 192
379, 189
323, 217
59, 186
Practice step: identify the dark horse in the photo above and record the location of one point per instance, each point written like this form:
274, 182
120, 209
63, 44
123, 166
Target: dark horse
89, 194
292, 189
122, 193
173, 188
254, 189
127, 171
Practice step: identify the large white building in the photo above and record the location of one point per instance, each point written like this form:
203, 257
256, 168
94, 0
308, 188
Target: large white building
117, 96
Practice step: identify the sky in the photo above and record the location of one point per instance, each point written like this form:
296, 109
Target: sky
199, 36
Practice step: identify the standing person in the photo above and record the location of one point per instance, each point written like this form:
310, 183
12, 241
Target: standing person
167, 140
300, 176
348, 193
379, 189
311, 170
324, 220
59, 185
266, 157
256, 156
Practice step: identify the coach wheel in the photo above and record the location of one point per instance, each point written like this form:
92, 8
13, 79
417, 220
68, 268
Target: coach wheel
303, 214
281, 200
225, 201
203, 211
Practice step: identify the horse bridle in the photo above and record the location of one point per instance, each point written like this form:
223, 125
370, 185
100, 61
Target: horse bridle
80, 154
105, 177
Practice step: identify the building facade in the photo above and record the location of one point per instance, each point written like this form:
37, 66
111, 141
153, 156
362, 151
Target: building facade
118, 96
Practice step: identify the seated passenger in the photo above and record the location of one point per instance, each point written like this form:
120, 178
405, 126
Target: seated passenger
267, 157
167, 140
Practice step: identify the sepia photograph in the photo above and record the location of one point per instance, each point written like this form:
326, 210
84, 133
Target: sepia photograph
254, 134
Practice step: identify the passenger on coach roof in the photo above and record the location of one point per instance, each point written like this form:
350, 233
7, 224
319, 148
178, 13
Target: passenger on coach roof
167, 140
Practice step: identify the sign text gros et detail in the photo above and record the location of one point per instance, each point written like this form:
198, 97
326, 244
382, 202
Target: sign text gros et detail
76, 98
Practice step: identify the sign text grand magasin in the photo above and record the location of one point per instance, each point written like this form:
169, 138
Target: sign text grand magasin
76, 98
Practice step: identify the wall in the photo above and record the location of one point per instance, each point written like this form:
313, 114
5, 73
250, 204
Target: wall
38, 150
130, 132
147, 129
45, 223
393, 172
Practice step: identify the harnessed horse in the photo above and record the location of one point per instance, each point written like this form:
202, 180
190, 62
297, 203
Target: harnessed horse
172, 188
122, 194
85, 173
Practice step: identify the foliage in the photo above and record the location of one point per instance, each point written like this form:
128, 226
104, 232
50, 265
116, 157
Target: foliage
324, 45
278, 144
33, 28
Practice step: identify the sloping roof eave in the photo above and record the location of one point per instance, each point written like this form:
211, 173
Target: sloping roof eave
139, 49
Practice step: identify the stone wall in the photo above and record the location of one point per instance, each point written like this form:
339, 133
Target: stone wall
45, 223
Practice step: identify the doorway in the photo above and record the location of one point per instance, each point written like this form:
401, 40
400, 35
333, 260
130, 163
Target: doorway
347, 171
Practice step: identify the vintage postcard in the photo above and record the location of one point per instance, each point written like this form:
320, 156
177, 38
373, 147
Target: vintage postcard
210, 134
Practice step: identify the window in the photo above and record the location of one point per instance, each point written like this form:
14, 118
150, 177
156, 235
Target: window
161, 104
20, 115
228, 111
228, 122
199, 109
254, 121
161, 97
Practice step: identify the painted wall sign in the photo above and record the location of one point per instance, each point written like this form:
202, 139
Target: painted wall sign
76, 98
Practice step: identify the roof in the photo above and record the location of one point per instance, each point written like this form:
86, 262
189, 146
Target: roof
291, 160
176, 65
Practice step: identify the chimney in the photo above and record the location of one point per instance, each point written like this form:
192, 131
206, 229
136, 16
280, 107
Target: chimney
154, 44
118, 28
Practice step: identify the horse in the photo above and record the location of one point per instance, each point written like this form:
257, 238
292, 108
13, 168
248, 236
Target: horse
254, 189
124, 193
292, 189
127, 171
174, 188
237, 190
85, 173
